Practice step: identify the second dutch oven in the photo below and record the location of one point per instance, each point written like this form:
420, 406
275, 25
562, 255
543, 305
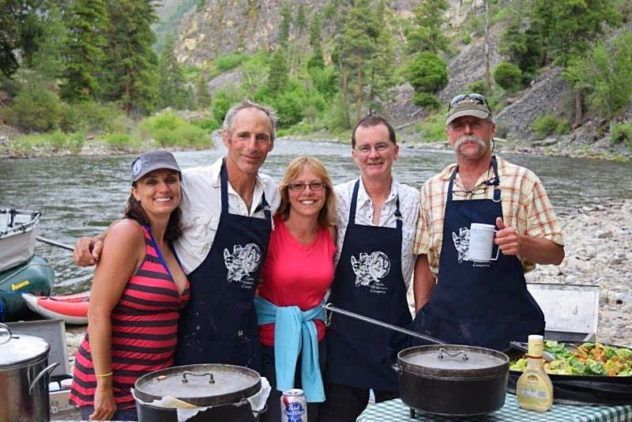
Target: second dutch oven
453, 380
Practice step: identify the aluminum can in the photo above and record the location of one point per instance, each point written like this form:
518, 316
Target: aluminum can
293, 406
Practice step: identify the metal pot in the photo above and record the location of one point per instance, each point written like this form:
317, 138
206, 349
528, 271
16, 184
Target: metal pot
221, 389
24, 374
444, 379
453, 380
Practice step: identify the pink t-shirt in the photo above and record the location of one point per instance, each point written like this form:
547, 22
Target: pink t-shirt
295, 274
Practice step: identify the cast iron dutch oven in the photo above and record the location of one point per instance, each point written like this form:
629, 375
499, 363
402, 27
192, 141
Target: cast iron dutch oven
447, 379
454, 380
223, 389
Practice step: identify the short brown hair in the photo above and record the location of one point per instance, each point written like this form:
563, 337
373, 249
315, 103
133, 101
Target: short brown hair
370, 121
327, 215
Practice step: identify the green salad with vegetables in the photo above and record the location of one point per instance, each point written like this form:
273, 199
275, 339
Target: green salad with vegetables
586, 359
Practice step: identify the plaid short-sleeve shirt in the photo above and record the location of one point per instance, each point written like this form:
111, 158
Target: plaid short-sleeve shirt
525, 204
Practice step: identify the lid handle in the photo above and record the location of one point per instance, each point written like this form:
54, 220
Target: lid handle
211, 380
4, 338
443, 351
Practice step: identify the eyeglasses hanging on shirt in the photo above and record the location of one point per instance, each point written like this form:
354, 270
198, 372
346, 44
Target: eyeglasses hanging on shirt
478, 190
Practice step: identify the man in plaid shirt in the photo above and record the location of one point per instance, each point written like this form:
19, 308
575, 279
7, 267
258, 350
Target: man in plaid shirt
464, 300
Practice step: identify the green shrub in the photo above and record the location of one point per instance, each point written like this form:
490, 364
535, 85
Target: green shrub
170, 130
622, 132
57, 140
548, 124
220, 106
34, 110
94, 117
120, 141
229, 62
563, 127
428, 73
508, 76
433, 128
479, 87
426, 100
208, 124
76, 141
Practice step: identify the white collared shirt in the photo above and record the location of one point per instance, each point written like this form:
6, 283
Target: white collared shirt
408, 206
202, 206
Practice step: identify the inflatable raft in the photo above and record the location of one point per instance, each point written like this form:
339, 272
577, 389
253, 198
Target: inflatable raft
73, 309
35, 276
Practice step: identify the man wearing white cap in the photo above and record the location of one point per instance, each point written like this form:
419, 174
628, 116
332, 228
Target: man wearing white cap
465, 300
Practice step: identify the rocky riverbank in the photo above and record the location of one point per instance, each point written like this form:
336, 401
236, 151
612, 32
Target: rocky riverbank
598, 244
598, 252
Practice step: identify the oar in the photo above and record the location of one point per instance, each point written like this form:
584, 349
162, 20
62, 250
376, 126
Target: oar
54, 243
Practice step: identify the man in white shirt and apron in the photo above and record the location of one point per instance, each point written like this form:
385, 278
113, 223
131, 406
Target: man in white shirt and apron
226, 215
377, 217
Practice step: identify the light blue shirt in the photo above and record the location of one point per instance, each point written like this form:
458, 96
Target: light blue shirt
294, 329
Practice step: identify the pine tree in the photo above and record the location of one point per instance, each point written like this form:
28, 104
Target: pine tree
301, 20
172, 90
48, 60
203, 98
278, 74
428, 33
131, 66
284, 26
86, 21
381, 63
356, 53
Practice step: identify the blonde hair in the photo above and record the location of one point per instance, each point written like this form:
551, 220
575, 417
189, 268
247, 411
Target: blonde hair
327, 215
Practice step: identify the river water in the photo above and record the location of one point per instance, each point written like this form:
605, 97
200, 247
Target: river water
80, 195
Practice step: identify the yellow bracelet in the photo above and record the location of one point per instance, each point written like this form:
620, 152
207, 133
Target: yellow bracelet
109, 374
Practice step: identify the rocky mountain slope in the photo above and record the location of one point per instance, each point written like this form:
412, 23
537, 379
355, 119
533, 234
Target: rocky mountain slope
224, 27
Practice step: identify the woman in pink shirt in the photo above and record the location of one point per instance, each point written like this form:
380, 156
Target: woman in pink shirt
296, 275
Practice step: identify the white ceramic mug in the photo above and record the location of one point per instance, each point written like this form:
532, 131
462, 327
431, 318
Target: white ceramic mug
482, 243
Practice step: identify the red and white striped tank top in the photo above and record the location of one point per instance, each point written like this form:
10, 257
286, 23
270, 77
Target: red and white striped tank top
144, 331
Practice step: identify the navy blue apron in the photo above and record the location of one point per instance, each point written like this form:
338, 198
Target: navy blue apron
368, 281
479, 304
219, 324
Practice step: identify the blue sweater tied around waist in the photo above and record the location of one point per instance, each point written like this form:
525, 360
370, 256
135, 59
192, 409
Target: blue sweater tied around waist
294, 329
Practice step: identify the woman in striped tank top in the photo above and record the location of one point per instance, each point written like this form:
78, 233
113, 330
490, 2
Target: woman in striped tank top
137, 293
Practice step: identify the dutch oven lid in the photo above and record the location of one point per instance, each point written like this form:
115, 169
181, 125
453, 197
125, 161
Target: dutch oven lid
201, 385
454, 360
17, 351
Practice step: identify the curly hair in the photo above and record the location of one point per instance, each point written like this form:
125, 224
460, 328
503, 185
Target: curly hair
327, 214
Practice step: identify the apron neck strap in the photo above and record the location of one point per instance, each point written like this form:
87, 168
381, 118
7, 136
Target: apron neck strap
354, 203
223, 177
495, 182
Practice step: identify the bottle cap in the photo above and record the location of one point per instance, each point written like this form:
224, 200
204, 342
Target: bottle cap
536, 345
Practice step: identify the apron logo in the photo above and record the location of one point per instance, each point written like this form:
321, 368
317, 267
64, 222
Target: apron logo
242, 262
462, 243
370, 268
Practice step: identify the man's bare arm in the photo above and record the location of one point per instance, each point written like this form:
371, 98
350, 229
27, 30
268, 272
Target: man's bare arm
423, 282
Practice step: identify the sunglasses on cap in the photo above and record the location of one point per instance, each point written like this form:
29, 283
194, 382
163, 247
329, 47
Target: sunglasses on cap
458, 99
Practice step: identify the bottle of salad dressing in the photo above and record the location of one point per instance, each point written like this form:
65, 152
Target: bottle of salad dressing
534, 390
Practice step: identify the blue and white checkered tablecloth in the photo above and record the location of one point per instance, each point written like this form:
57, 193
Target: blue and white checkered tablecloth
396, 411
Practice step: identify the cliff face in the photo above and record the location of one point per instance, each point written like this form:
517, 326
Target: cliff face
224, 27
229, 26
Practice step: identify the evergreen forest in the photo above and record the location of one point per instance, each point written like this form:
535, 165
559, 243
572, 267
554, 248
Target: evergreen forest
72, 71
